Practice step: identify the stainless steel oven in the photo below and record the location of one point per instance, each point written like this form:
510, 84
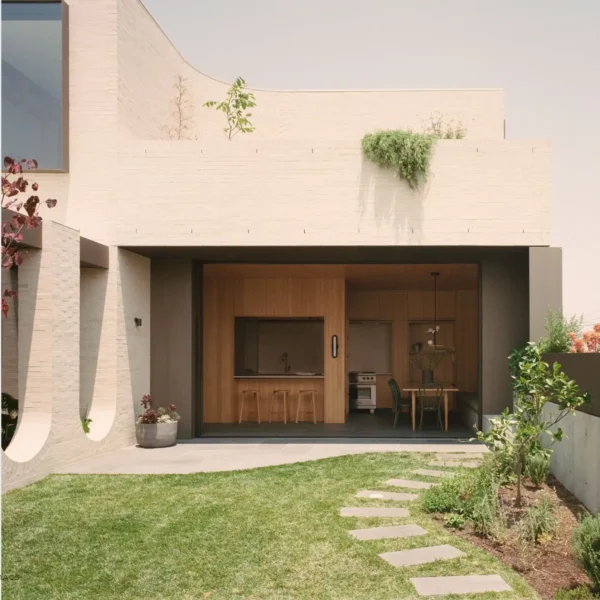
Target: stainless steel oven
363, 391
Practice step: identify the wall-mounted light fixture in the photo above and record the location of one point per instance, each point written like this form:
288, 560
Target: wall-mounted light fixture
137, 321
334, 346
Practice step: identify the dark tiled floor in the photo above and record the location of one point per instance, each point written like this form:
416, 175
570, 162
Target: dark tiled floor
359, 425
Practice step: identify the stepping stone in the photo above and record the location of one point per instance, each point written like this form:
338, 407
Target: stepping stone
434, 473
385, 495
373, 511
463, 456
413, 485
454, 463
421, 556
382, 533
468, 584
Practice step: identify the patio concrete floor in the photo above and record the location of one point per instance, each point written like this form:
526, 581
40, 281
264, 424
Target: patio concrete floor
230, 455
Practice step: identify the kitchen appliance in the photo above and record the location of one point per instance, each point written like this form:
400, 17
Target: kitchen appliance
362, 387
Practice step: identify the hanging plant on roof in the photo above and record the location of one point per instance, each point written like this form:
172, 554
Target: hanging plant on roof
406, 152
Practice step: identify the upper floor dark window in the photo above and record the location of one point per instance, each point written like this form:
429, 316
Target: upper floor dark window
33, 83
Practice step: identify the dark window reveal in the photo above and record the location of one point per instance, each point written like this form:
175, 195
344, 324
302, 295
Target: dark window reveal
32, 82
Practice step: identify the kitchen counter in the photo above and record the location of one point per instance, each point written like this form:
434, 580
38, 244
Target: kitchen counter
278, 376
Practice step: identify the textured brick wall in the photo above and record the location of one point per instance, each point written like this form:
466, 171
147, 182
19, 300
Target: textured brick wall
250, 193
50, 435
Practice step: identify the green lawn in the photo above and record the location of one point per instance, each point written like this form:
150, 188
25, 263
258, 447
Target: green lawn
271, 533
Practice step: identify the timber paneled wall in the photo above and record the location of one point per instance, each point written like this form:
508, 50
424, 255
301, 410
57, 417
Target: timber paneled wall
270, 291
402, 307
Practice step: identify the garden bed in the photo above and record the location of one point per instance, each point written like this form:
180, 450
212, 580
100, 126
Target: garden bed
549, 566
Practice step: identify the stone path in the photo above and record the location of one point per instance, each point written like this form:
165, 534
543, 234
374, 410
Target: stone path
406, 483
373, 511
466, 584
385, 495
454, 463
421, 556
434, 473
425, 586
384, 533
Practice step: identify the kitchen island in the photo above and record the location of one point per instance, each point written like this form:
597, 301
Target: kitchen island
266, 384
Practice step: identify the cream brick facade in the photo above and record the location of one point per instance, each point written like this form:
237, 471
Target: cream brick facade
299, 180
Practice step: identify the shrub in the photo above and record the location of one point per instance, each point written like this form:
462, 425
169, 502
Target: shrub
486, 514
10, 416
406, 152
455, 521
445, 498
538, 523
537, 467
586, 541
579, 593
559, 328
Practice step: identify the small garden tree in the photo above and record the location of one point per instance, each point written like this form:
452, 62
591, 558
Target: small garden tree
14, 185
529, 429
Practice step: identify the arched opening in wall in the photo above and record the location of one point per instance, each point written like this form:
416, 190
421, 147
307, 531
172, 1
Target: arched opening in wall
97, 399
29, 372
10, 360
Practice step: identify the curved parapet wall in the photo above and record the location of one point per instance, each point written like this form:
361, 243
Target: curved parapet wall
149, 65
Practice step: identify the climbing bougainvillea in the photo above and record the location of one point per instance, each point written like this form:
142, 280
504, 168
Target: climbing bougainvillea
24, 215
588, 342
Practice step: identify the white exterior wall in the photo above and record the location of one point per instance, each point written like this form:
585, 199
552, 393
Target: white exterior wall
245, 194
304, 158
49, 434
576, 460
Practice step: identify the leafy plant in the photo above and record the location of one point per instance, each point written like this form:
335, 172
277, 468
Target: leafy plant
537, 467
85, 423
235, 107
524, 432
160, 415
581, 592
586, 543
10, 416
439, 127
538, 522
406, 152
486, 514
454, 521
12, 230
559, 330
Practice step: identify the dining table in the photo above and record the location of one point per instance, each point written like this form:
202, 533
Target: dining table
414, 388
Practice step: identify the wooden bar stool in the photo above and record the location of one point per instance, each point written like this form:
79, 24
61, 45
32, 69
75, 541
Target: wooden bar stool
253, 394
304, 394
276, 396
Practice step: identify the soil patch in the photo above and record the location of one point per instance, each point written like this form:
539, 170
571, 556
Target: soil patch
549, 566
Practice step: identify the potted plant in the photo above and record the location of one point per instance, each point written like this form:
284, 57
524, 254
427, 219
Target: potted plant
156, 428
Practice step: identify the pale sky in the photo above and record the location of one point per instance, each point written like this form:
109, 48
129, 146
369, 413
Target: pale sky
545, 54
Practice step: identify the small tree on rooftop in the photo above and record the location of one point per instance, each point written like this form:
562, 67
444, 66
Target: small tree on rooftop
530, 429
235, 108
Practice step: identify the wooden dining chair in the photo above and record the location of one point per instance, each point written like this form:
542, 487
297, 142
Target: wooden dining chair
431, 398
397, 398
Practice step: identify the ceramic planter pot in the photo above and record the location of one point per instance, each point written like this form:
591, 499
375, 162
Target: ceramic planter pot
158, 435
